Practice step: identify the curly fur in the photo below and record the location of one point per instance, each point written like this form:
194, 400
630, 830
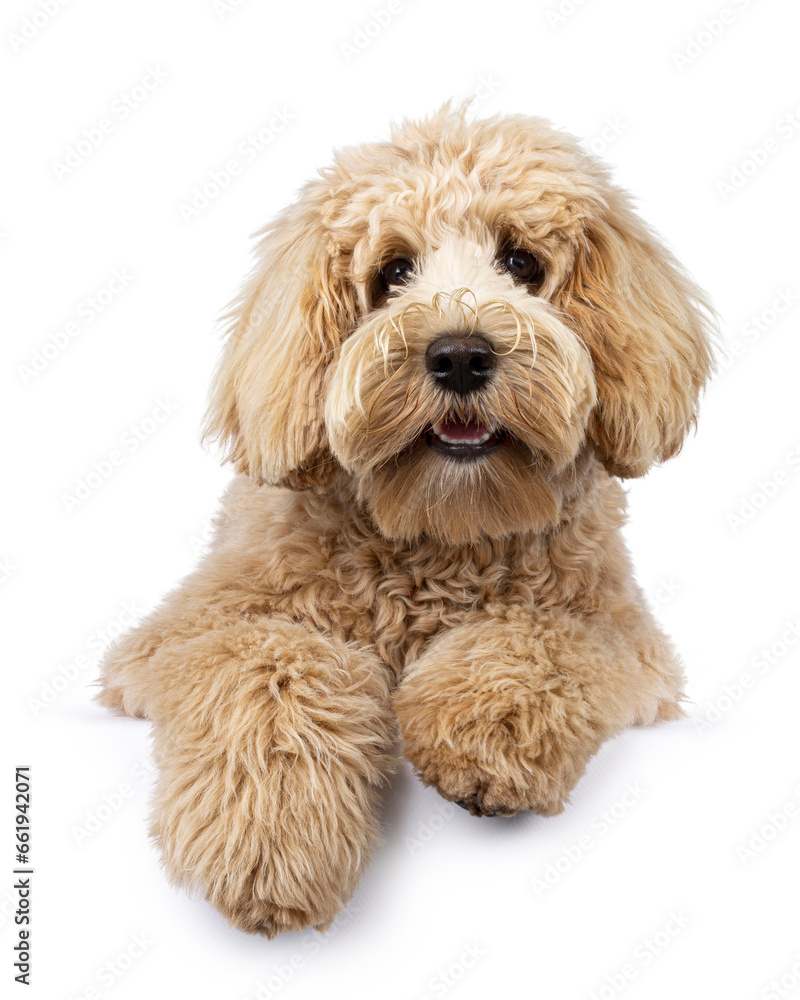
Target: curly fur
359, 580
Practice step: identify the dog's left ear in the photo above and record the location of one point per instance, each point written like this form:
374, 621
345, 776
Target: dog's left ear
648, 329
266, 405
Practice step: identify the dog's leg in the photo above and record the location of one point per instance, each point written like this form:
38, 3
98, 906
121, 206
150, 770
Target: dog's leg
224, 590
231, 582
271, 736
271, 742
502, 713
127, 669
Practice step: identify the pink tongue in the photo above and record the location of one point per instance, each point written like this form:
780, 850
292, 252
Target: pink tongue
462, 431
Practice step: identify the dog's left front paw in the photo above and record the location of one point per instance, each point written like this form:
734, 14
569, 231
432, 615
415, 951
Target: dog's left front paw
498, 749
484, 767
503, 716
474, 786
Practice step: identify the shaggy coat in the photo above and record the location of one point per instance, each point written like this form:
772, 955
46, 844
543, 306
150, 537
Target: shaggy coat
403, 552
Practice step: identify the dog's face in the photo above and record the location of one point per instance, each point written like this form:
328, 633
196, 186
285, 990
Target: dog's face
457, 318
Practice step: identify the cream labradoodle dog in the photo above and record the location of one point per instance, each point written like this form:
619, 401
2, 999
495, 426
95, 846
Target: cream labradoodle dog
451, 348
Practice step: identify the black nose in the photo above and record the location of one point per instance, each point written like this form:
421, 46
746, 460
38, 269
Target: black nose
460, 364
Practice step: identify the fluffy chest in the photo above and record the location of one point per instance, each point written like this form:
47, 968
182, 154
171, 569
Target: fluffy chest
399, 597
320, 563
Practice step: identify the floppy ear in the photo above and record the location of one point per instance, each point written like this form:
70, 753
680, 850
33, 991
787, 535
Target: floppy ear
648, 329
266, 405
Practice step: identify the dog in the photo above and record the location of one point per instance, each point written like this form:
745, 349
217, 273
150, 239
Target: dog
452, 347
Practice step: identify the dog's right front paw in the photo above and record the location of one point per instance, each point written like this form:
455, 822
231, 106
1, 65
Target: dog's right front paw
272, 750
278, 849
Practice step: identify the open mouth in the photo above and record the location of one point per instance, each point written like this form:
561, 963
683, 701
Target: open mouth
463, 440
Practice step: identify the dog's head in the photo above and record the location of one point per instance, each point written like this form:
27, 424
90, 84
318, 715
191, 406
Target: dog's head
455, 318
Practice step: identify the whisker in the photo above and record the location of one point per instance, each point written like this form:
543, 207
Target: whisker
519, 321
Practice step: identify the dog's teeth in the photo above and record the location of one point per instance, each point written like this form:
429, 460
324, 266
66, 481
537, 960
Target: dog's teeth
437, 430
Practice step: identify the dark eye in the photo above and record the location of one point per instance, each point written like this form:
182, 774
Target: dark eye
522, 266
397, 272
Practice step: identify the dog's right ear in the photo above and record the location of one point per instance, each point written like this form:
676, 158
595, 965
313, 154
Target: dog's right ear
266, 406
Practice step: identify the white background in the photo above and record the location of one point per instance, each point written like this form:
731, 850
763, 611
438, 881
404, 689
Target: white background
681, 109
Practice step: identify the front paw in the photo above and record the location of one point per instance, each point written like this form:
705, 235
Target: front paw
271, 754
496, 760
274, 850
502, 726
